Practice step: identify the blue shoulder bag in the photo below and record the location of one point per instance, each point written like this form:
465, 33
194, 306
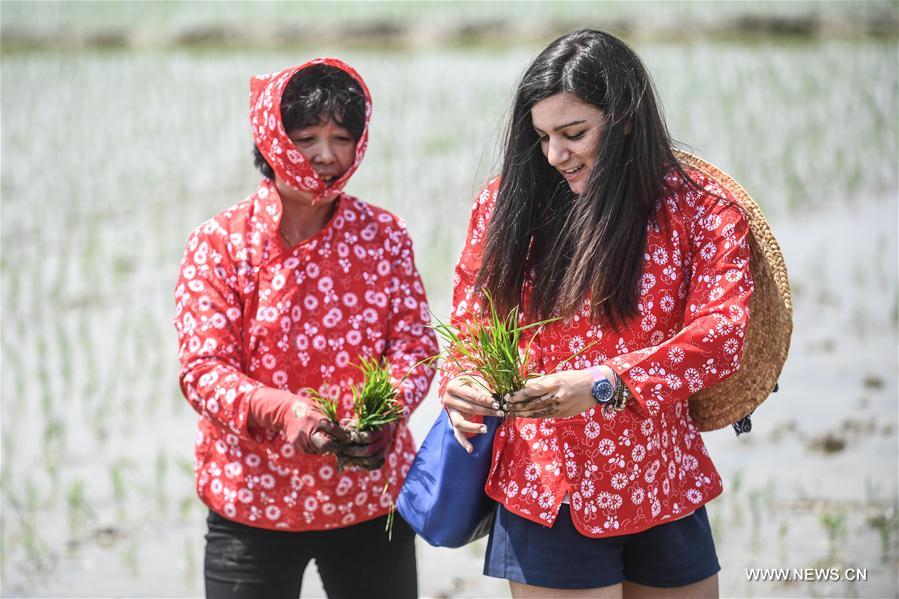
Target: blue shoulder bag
443, 498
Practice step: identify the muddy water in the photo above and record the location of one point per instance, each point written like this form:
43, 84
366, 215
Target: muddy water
103, 178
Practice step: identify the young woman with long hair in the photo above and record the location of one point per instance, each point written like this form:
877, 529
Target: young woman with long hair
599, 471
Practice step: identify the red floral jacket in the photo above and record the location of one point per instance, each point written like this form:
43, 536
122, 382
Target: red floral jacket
628, 471
251, 312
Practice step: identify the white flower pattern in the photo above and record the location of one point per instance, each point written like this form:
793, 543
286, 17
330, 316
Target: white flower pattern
696, 279
222, 365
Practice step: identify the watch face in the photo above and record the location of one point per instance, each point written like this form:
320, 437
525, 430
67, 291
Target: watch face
603, 391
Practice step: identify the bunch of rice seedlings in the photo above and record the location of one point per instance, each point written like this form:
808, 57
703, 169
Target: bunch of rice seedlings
327, 406
488, 347
374, 400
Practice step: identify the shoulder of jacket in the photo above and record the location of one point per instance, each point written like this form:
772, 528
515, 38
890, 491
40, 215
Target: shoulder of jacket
697, 200
489, 191
219, 231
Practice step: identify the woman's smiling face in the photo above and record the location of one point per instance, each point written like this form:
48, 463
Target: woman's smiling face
328, 147
569, 131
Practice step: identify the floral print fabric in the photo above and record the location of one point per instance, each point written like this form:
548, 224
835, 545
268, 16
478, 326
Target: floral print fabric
251, 312
628, 471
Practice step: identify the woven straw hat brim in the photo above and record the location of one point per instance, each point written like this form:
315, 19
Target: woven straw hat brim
770, 325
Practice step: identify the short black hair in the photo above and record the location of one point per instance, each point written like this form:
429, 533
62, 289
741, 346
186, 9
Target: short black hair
315, 94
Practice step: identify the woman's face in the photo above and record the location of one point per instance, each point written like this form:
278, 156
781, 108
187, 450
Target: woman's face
569, 131
328, 147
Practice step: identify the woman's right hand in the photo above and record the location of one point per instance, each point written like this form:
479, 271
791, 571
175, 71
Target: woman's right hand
467, 396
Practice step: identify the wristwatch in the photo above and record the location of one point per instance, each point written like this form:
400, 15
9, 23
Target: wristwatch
603, 389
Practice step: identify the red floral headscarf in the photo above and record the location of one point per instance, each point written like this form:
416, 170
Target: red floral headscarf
268, 131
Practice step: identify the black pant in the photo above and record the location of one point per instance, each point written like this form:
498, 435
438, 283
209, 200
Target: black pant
356, 561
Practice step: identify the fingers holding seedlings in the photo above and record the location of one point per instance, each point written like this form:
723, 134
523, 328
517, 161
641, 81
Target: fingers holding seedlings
469, 396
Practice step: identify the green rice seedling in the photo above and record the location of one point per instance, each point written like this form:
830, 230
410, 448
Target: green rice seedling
43, 375
736, 483
834, 524
8, 443
782, 530
11, 285
872, 491
374, 400
79, 511
716, 519
190, 561
107, 395
157, 374
65, 354
174, 393
886, 523
186, 506
122, 267
90, 248
37, 553
162, 465
327, 405
186, 467
89, 368
6, 489
130, 559
99, 421
119, 489
755, 505
32, 497
54, 431
6, 543
489, 349
851, 589
62, 265
768, 493
128, 402
388, 527
859, 320
11, 357
52, 449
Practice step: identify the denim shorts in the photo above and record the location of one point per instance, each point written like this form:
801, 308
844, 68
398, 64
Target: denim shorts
668, 555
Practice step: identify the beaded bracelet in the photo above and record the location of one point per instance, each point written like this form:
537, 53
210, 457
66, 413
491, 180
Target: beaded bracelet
620, 396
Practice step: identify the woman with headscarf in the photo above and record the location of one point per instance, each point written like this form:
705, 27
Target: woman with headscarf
599, 470
288, 290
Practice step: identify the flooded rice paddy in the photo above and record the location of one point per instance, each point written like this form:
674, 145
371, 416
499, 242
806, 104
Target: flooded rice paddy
110, 158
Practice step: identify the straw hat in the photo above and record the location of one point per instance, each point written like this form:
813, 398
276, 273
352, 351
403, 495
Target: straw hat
770, 319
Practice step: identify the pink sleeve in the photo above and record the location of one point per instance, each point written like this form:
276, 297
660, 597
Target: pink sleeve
709, 346
410, 338
208, 320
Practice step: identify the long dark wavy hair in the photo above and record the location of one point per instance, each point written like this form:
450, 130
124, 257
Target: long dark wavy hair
591, 244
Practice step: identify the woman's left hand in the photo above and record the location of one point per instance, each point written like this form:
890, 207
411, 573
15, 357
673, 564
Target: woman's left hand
557, 395
368, 449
